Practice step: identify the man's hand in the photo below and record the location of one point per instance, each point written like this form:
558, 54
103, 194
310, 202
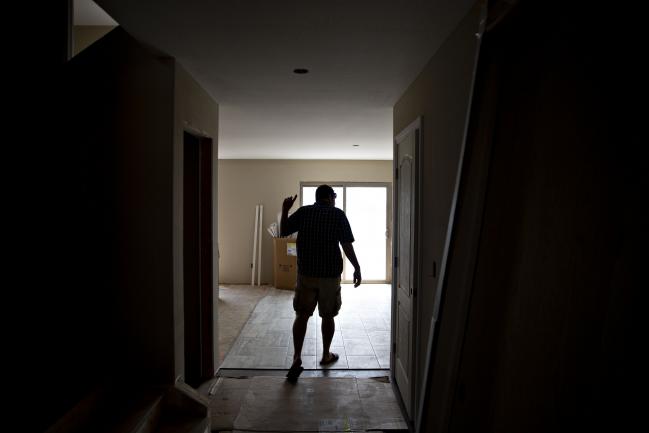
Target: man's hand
288, 203
357, 277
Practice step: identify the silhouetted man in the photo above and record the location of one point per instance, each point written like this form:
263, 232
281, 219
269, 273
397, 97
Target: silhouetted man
321, 227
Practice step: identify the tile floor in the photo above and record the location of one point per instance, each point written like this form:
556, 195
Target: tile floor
236, 304
362, 337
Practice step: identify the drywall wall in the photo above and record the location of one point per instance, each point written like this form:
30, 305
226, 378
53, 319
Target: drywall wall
246, 183
119, 191
84, 36
115, 314
440, 95
553, 329
196, 112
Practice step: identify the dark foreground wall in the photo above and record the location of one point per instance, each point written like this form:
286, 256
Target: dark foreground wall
551, 335
102, 269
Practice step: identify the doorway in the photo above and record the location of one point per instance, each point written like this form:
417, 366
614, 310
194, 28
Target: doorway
197, 259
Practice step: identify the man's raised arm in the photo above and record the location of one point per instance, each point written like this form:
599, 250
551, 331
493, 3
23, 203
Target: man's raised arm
286, 206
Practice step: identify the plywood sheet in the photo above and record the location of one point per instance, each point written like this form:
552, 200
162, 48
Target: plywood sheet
318, 404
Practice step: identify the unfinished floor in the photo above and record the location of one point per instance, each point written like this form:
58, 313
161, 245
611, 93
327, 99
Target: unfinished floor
236, 304
271, 404
250, 392
265, 341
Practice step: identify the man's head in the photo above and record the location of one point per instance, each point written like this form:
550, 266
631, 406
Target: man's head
325, 194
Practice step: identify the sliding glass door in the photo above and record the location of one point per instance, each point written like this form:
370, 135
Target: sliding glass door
368, 208
307, 195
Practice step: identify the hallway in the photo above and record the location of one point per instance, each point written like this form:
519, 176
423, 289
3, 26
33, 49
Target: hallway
508, 133
362, 336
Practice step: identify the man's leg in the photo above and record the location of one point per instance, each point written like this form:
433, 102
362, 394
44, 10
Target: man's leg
299, 331
304, 303
328, 306
328, 328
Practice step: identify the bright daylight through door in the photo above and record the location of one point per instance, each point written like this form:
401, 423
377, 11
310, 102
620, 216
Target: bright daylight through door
366, 207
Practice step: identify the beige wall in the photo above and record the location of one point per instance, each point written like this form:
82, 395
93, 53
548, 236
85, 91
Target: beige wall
196, 112
440, 95
84, 36
246, 183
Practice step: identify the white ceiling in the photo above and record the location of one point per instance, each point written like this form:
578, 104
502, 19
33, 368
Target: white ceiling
362, 55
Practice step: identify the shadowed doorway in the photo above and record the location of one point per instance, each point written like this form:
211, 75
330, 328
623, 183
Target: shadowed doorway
197, 248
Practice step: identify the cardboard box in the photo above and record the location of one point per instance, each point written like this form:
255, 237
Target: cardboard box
284, 263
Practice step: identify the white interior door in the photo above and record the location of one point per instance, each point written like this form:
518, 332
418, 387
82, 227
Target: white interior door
404, 273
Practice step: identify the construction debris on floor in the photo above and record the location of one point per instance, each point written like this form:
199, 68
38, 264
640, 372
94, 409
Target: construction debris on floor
314, 404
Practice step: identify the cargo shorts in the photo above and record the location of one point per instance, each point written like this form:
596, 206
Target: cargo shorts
325, 292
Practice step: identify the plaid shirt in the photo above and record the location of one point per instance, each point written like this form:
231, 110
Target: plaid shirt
320, 229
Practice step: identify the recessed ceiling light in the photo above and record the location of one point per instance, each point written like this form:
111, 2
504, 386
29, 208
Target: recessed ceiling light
300, 71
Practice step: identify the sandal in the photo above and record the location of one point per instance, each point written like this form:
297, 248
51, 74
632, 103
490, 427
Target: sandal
334, 358
293, 373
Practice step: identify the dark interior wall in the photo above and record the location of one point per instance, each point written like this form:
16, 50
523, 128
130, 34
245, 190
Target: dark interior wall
552, 338
121, 99
36, 180
440, 94
108, 224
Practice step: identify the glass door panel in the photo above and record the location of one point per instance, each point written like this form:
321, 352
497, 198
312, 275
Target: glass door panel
308, 195
366, 209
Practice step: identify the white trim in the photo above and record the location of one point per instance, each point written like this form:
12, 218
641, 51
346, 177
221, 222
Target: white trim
417, 127
441, 282
254, 247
